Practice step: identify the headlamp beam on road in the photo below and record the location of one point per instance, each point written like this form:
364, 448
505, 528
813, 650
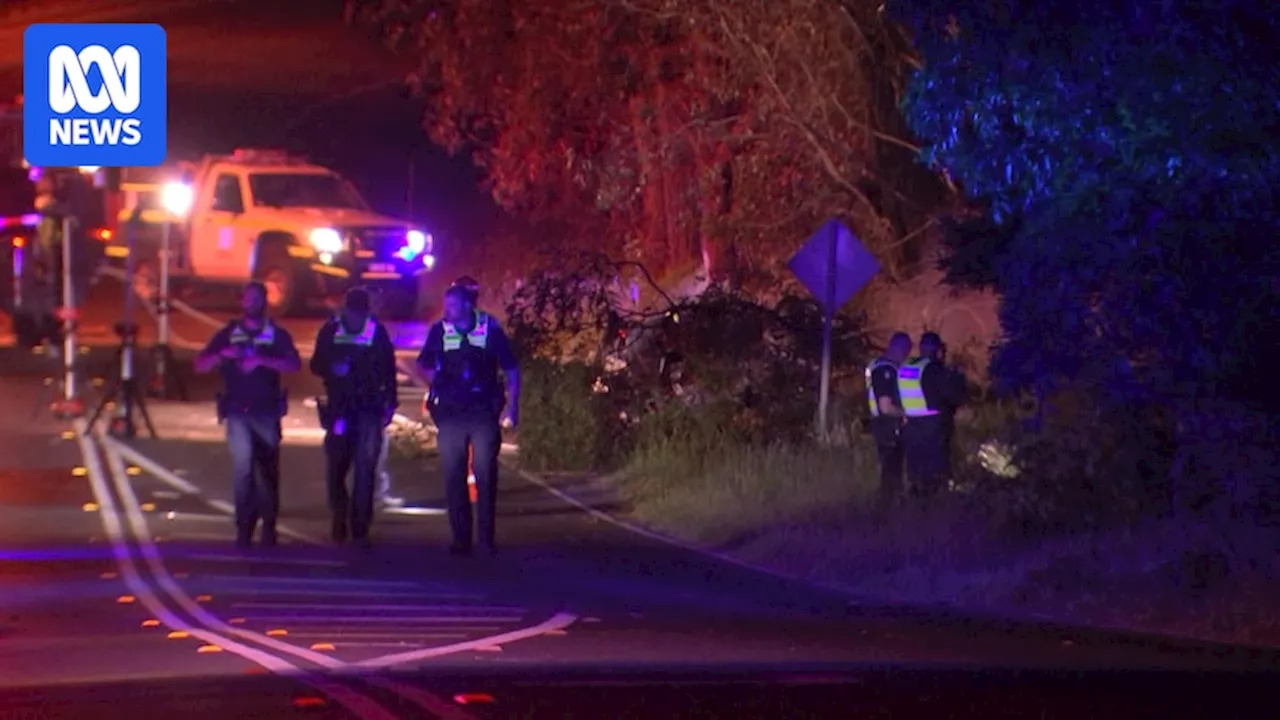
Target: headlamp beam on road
176, 198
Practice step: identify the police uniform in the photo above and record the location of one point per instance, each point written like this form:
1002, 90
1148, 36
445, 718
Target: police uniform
929, 397
882, 381
466, 401
354, 417
251, 407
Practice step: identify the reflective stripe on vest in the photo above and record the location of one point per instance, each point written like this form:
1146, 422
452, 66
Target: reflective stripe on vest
872, 401
911, 391
363, 338
477, 338
266, 337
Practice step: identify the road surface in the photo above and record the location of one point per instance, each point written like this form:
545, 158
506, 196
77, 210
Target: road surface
120, 565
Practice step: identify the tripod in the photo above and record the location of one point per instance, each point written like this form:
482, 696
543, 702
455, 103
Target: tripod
124, 389
164, 373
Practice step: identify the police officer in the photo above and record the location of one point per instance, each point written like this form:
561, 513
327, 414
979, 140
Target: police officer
251, 353
461, 359
885, 406
930, 392
472, 285
356, 359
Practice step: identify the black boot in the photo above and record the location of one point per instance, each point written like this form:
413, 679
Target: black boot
339, 528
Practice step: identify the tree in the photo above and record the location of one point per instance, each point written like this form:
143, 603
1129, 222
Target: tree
1123, 155
687, 132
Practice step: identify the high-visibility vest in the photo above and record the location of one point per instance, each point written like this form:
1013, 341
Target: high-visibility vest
477, 338
873, 403
266, 337
911, 391
364, 338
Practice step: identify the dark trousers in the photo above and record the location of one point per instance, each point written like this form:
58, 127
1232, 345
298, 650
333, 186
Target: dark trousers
359, 447
888, 436
254, 442
484, 437
926, 441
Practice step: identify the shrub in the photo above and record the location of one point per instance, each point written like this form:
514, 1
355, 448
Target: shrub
565, 426
1073, 467
748, 368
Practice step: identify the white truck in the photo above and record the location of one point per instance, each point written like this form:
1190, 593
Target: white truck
301, 229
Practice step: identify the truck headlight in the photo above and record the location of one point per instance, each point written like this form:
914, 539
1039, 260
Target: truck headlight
326, 240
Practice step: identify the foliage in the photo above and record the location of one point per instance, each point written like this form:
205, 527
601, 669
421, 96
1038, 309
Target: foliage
1126, 155
677, 132
565, 426
1078, 469
748, 369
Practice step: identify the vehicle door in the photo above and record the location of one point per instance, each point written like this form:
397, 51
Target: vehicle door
219, 230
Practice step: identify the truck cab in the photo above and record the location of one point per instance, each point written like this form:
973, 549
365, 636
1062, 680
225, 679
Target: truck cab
300, 228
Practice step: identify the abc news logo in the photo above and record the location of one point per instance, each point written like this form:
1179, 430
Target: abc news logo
70, 94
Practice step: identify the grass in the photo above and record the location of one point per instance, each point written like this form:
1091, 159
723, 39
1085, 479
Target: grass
808, 512
723, 495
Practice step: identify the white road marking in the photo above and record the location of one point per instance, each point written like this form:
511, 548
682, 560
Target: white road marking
414, 510
170, 478
195, 517
357, 704
557, 622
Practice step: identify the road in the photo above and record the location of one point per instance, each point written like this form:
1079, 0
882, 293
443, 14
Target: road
120, 565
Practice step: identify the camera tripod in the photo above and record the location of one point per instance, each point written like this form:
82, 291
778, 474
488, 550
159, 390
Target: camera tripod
124, 389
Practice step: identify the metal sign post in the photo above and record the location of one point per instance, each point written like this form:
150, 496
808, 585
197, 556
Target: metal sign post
125, 389
828, 321
833, 266
162, 299
176, 198
69, 311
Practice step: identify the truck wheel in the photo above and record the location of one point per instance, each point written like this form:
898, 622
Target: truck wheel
276, 272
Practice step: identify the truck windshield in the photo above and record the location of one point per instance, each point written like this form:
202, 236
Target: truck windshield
304, 190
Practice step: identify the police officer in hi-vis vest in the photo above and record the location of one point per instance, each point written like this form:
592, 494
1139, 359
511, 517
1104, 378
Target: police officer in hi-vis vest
931, 393
461, 361
251, 353
467, 282
886, 415
356, 359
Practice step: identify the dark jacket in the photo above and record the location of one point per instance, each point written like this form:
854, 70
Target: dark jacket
371, 382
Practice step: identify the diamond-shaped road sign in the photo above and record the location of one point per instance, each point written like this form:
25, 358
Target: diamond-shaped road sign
853, 268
